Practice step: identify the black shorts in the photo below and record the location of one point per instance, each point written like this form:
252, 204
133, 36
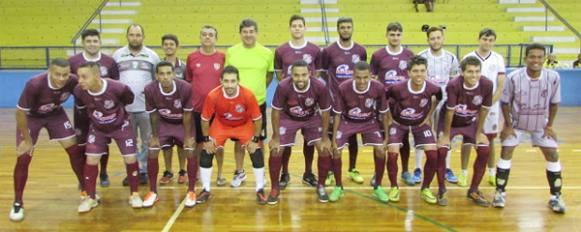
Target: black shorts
263, 136
197, 117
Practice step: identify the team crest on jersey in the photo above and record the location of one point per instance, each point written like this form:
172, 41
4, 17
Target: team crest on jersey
65, 96
309, 101
91, 139
423, 102
239, 108
108, 104
177, 104
477, 100
307, 58
217, 66
97, 114
544, 93
282, 130
104, 71
355, 58
198, 65
403, 64
369, 102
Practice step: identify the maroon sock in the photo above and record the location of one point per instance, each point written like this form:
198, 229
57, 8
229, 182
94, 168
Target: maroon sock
337, 164
132, 176
309, 152
379, 169
104, 161
479, 166
90, 173
405, 154
192, 171
274, 163
77, 160
323, 167
430, 168
441, 169
21, 175
353, 150
392, 168
286, 153
152, 171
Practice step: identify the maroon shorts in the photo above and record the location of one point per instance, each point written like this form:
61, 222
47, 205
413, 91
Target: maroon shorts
423, 134
97, 141
311, 129
58, 126
468, 132
171, 134
370, 131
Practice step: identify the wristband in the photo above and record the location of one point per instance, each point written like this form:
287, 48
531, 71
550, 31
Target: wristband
255, 139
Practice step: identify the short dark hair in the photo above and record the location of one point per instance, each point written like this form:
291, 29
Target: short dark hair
170, 37
90, 32
135, 25
60, 62
432, 29
487, 32
163, 64
230, 70
299, 63
93, 66
344, 20
362, 66
394, 26
296, 17
248, 22
210, 27
417, 60
535, 46
471, 60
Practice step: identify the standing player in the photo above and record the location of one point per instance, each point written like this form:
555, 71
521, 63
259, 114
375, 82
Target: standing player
338, 60
255, 63
169, 104
360, 103
389, 65
442, 67
493, 69
203, 69
469, 98
284, 56
236, 116
105, 100
411, 107
91, 40
530, 101
136, 69
299, 98
40, 107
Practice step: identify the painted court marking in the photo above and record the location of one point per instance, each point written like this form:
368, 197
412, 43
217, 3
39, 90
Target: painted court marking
174, 216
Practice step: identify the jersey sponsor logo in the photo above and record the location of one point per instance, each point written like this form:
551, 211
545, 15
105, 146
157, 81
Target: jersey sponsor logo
357, 114
177, 104
229, 116
355, 58
410, 113
423, 102
369, 102
391, 77
309, 101
47, 108
463, 111
403, 64
343, 71
108, 104
166, 113
217, 66
308, 58
102, 119
477, 100
298, 111
239, 108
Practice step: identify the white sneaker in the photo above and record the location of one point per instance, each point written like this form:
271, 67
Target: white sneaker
17, 212
135, 201
239, 177
149, 199
499, 199
190, 200
87, 204
86, 195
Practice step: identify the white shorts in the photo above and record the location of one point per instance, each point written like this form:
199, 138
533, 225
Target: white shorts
492, 120
537, 139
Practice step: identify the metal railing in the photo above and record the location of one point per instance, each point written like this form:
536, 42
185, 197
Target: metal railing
553, 11
96, 13
325, 24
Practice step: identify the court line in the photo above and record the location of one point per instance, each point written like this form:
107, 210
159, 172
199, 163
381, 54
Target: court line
174, 216
360, 187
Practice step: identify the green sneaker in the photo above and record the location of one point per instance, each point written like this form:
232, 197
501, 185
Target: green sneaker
355, 176
330, 179
336, 194
492, 180
462, 180
428, 196
380, 195
394, 194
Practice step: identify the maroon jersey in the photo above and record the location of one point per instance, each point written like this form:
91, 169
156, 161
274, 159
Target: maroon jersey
40, 99
411, 108
286, 54
359, 106
106, 109
172, 105
107, 63
466, 102
389, 67
301, 105
340, 63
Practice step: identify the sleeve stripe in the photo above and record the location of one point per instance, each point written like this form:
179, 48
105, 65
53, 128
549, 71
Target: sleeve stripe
151, 111
80, 107
275, 107
257, 118
337, 112
189, 109
450, 107
205, 119
327, 109
22, 108
486, 107
384, 111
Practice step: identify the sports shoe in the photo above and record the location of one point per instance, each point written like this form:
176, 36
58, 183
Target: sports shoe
203, 196
190, 200
372, 181
355, 176
450, 177
220, 181
104, 180
408, 179
394, 194
84, 195
380, 195
272, 197
492, 180
499, 199
166, 178
478, 198
442, 199
17, 212
336, 194
322, 194
462, 180
150, 199
557, 204
135, 201
261, 198
428, 196
284, 180
330, 179
239, 178
418, 175
143, 179
182, 177
87, 204
310, 179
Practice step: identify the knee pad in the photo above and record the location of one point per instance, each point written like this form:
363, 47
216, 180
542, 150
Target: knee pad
206, 159
257, 159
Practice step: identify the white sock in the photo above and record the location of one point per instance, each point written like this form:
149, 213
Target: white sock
465, 172
205, 177
448, 159
419, 156
259, 175
491, 171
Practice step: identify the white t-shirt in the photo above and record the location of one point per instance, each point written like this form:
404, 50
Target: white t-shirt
136, 71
